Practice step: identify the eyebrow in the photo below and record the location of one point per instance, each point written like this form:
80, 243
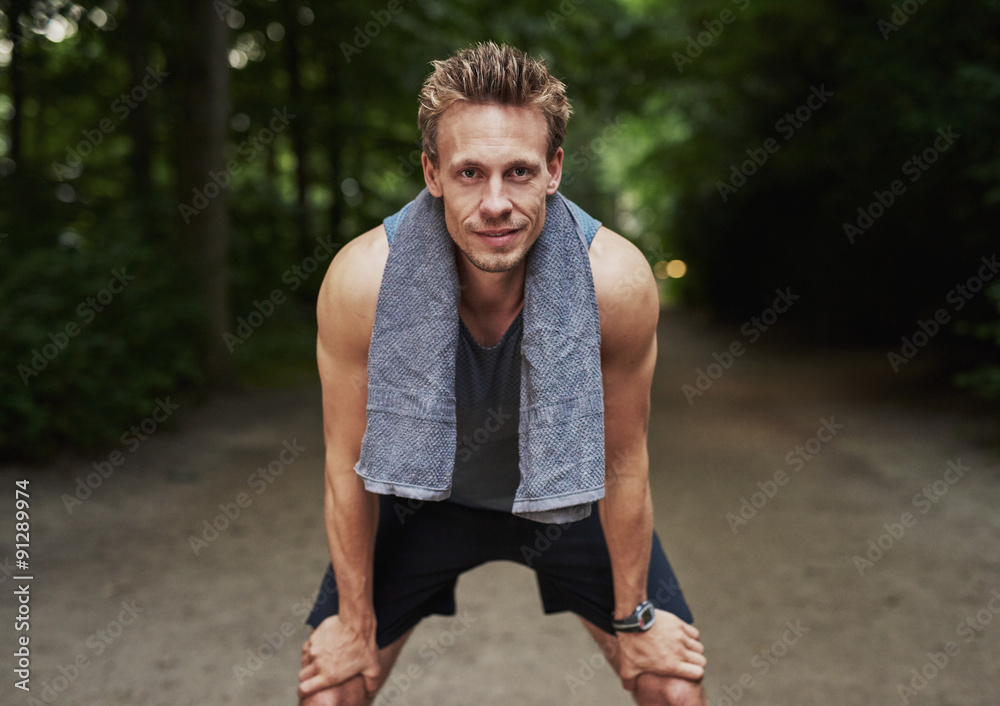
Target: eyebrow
510, 164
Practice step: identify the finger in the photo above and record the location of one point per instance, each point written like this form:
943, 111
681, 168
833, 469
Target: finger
308, 671
629, 684
691, 630
306, 658
628, 672
696, 658
694, 645
312, 685
691, 672
371, 684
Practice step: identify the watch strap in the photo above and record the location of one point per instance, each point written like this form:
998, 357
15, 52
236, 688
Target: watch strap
640, 620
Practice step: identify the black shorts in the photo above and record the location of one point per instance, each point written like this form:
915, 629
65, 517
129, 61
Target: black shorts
421, 549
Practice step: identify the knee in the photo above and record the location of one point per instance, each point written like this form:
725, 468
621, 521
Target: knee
350, 693
655, 690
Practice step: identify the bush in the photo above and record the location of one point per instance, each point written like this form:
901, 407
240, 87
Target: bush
95, 335
984, 380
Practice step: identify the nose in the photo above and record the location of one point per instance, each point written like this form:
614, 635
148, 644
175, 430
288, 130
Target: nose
495, 203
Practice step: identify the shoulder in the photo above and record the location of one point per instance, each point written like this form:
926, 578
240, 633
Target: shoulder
345, 309
627, 295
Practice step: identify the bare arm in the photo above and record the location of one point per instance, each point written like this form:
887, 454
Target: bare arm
629, 309
343, 646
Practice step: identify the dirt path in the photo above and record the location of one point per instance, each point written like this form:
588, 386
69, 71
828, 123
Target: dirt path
126, 610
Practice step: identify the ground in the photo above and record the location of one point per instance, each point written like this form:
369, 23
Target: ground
836, 585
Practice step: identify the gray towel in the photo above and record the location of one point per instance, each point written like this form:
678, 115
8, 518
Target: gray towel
410, 440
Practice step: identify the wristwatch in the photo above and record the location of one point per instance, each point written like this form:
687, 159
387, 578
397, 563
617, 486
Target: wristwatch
640, 620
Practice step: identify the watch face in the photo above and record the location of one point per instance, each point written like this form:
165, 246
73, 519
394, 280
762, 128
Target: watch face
646, 616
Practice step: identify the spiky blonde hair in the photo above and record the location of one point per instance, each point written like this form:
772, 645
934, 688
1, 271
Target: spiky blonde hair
485, 74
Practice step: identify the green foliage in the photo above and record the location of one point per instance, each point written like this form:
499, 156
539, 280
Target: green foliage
667, 96
90, 362
984, 379
723, 90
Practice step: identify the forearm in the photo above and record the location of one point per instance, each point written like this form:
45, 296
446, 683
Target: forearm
627, 518
351, 520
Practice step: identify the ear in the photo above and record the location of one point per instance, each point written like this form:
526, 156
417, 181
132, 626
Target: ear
554, 168
432, 176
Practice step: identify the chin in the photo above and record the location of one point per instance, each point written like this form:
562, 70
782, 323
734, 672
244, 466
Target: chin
495, 262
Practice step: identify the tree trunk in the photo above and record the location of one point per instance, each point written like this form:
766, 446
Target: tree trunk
16, 68
204, 76
137, 26
298, 129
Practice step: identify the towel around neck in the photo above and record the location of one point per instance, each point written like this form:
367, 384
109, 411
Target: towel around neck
410, 440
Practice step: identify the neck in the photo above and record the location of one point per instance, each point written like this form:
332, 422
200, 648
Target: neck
489, 294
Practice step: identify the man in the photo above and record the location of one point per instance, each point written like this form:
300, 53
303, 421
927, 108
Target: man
493, 122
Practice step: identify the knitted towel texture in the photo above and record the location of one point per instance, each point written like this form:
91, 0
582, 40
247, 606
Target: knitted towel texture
410, 439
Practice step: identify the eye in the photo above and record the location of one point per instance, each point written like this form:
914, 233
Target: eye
521, 171
468, 173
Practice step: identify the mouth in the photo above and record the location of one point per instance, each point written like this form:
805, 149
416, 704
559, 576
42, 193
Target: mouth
497, 233
498, 237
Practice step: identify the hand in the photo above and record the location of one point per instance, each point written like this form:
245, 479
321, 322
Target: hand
336, 652
670, 648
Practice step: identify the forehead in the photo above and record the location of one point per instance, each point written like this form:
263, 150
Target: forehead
481, 132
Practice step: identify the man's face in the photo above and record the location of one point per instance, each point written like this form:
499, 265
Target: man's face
493, 174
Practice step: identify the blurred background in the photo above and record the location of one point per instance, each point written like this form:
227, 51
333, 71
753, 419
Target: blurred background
173, 164
815, 184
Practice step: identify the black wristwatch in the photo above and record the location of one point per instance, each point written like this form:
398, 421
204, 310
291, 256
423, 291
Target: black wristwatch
641, 620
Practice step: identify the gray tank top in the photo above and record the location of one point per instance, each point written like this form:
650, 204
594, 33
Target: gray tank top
487, 411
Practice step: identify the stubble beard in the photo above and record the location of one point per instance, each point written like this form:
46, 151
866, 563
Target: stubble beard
506, 260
